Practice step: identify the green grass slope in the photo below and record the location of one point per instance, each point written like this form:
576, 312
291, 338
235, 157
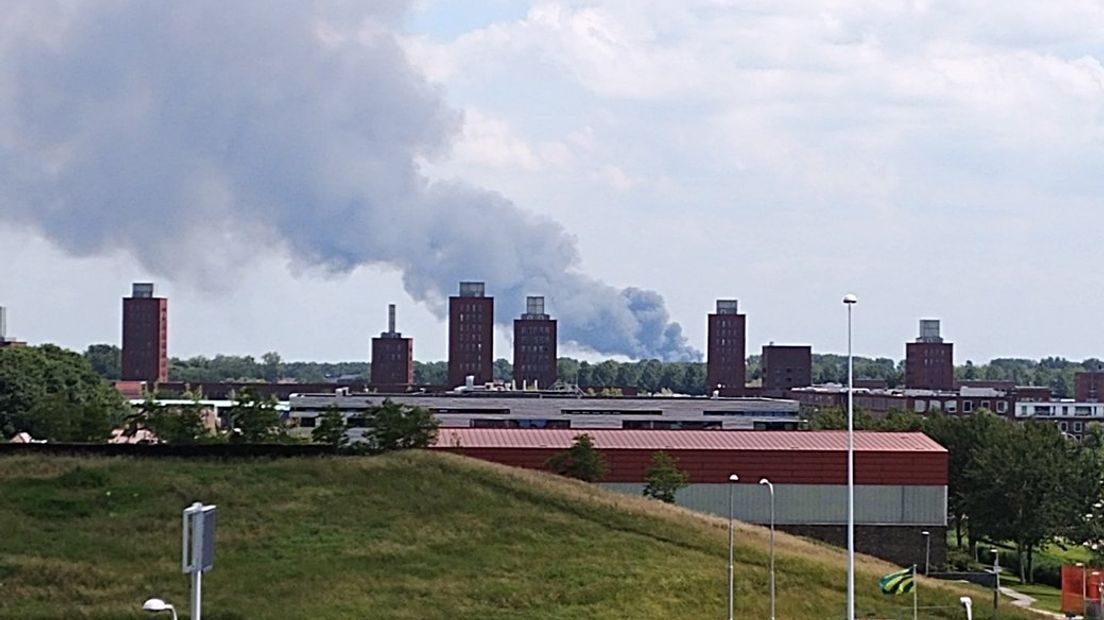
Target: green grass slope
403, 536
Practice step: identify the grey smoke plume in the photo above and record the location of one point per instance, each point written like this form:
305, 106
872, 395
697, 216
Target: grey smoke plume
193, 133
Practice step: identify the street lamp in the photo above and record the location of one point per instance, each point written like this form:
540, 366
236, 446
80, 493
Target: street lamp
968, 605
732, 480
1084, 587
155, 605
1099, 587
850, 300
927, 550
770, 487
996, 576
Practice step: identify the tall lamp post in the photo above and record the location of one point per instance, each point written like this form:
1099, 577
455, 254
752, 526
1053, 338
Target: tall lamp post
1084, 586
996, 576
732, 480
850, 300
1099, 586
770, 487
927, 550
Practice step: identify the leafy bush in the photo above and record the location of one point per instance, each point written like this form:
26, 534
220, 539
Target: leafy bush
581, 461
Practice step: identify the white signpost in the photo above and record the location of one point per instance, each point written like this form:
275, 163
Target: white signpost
199, 548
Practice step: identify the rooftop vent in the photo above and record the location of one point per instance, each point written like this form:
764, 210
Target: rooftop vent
472, 289
929, 331
142, 290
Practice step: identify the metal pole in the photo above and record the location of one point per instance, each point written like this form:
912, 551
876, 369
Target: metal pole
1084, 586
771, 488
927, 552
915, 594
996, 578
197, 564
197, 596
731, 480
849, 300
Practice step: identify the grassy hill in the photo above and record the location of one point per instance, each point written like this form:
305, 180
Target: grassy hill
411, 535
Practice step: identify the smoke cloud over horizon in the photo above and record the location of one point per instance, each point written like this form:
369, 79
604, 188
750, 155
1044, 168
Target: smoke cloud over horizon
195, 134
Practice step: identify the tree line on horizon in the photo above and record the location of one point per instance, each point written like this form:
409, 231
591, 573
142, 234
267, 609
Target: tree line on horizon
1025, 485
651, 376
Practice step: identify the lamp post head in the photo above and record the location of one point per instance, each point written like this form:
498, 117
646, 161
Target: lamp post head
925, 533
155, 605
766, 482
733, 478
850, 299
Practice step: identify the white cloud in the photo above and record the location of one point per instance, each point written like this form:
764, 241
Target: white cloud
941, 158
750, 138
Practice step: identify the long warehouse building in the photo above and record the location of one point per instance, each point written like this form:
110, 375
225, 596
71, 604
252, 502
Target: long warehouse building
901, 478
537, 410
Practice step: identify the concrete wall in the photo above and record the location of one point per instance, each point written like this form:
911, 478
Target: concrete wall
889, 518
902, 545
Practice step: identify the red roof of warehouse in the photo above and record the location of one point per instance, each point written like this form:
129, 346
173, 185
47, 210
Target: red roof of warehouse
799, 441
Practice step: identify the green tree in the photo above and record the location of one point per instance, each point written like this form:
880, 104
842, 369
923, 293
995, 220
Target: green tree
51, 382
664, 478
430, 373
581, 461
256, 420
173, 424
628, 375
836, 420
503, 370
900, 421
567, 369
330, 428
105, 359
651, 372
604, 374
694, 382
1030, 484
400, 427
963, 437
673, 377
57, 418
272, 367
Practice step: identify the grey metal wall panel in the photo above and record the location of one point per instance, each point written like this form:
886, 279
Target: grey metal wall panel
814, 504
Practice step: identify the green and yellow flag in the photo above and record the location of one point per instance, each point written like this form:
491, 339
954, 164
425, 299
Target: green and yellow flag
901, 582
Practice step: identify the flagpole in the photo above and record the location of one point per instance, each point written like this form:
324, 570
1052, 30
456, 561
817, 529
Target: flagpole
915, 594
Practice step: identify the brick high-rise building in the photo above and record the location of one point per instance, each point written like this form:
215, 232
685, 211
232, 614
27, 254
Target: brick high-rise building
145, 335
471, 335
1088, 387
392, 356
535, 346
929, 362
726, 368
785, 367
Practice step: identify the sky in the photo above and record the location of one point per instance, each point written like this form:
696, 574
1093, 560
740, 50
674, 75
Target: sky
283, 174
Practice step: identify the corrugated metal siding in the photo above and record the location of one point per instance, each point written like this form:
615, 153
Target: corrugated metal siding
715, 466
814, 504
785, 441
